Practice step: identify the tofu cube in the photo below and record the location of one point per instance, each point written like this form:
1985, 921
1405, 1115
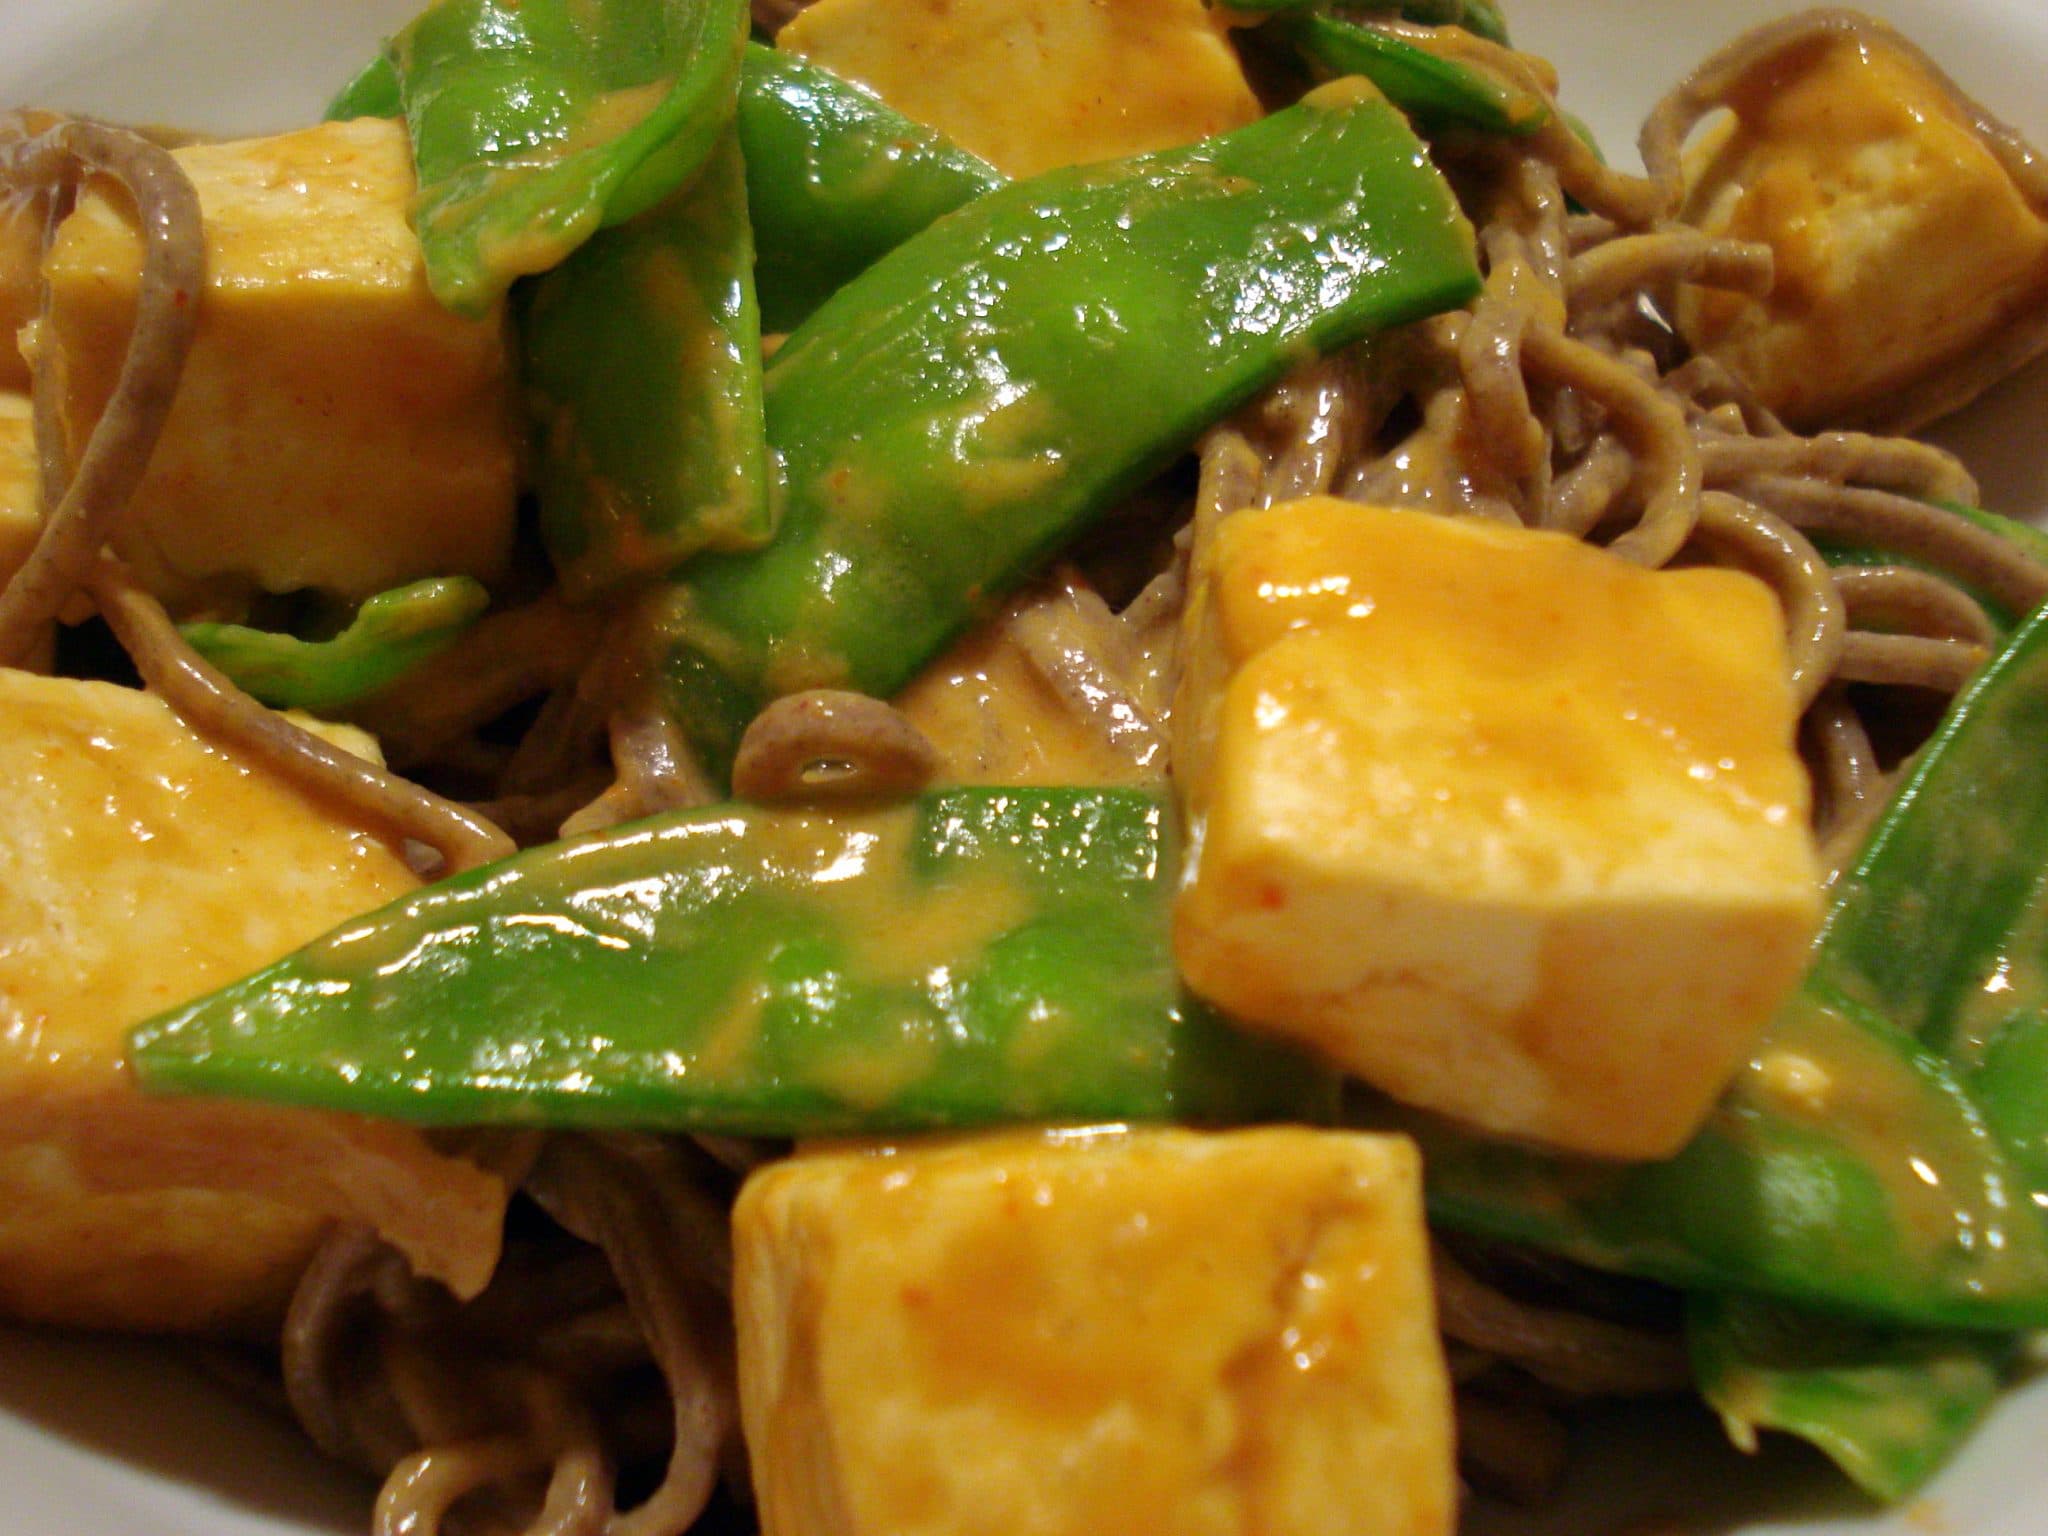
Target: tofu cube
1507, 826
139, 867
1033, 84
1091, 1333
336, 428
21, 519
1909, 255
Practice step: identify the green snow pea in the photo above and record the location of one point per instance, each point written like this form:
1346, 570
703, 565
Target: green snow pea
1965, 841
974, 956
536, 122
389, 635
643, 375
1888, 1407
836, 178
1906, 1186
1481, 17
974, 399
1437, 92
374, 92
1943, 921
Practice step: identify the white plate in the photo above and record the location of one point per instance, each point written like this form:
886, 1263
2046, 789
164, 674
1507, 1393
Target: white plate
100, 1437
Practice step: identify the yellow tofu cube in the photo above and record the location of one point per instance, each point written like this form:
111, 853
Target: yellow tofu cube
21, 519
139, 867
1907, 253
1033, 84
335, 428
1507, 826
1093, 1333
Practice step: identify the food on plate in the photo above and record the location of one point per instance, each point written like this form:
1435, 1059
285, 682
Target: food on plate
1575, 881
927, 1332
336, 430
1879, 187
141, 864
20, 521
1034, 88
1063, 758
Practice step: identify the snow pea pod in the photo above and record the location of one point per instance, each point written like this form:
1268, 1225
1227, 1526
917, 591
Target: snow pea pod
1956, 876
1888, 1407
978, 396
977, 955
1437, 92
643, 375
1885, 1154
1943, 920
374, 92
1481, 17
536, 122
389, 635
836, 178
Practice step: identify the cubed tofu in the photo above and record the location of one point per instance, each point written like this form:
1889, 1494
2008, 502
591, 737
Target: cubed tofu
1509, 827
21, 520
139, 867
1908, 253
1033, 84
1094, 1333
336, 428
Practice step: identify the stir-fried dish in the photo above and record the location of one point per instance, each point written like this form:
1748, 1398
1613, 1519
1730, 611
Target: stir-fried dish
1027, 766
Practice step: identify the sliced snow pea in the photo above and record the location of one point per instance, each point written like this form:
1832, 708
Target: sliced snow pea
977, 955
1958, 874
1480, 17
836, 178
1435, 91
390, 634
1886, 1156
536, 122
835, 175
1943, 920
973, 400
373, 93
1888, 1407
643, 374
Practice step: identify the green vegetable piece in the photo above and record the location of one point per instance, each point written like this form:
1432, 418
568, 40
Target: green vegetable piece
1435, 91
1922, 920
536, 122
1944, 918
1481, 17
836, 178
973, 400
1901, 1206
643, 371
391, 634
978, 955
1888, 1408
1907, 1189
373, 93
